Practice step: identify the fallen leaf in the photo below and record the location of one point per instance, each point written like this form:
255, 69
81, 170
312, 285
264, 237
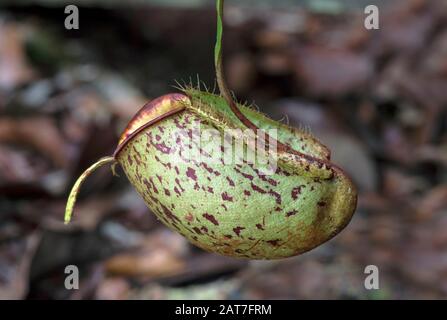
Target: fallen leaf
39, 133
15, 286
14, 69
332, 72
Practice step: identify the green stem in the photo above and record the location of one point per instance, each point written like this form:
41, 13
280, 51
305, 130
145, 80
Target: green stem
223, 88
218, 53
218, 48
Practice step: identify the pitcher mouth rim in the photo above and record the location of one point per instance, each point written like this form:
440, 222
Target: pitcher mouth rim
177, 97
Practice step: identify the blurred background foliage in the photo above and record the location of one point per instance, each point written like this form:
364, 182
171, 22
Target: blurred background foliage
377, 98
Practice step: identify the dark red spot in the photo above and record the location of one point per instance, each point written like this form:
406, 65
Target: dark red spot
151, 179
264, 178
238, 230
210, 170
137, 160
321, 204
230, 182
191, 173
147, 184
276, 195
177, 181
296, 192
162, 147
211, 218
139, 176
197, 230
247, 193
166, 165
273, 242
169, 214
227, 197
178, 124
291, 213
257, 189
245, 175
154, 200
259, 226
248, 176
137, 154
